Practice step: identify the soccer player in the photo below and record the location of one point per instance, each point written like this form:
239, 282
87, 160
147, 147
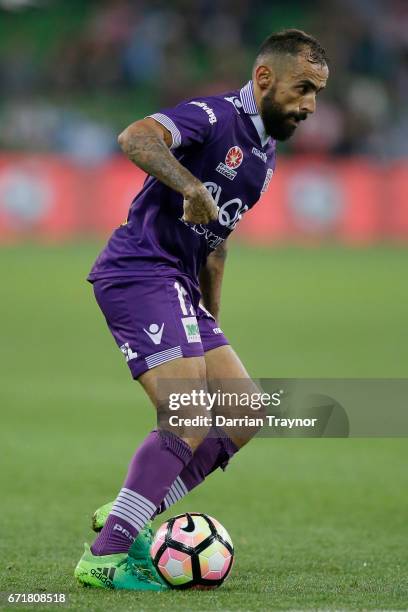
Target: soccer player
208, 161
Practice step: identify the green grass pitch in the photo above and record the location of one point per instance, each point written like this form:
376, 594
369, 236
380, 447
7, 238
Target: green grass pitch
316, 523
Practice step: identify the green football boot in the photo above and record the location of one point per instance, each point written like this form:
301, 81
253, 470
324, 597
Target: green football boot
100, 516
120, 571
140, 549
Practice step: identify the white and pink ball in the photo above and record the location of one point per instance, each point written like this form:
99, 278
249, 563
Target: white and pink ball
193, 550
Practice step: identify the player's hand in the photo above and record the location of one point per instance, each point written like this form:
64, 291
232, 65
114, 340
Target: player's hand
199, 205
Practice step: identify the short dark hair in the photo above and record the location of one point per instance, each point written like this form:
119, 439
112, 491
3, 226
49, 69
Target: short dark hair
293, 42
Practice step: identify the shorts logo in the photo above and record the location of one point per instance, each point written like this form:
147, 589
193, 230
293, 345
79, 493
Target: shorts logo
155, 332
127, 351
233, 159
217, 330
191, 328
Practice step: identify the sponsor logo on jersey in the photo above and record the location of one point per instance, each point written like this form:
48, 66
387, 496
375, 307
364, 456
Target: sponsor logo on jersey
260, 154
269, 175
127, 351
154, 332
191, 328
230, 213
211, 115
233, 159
213, 240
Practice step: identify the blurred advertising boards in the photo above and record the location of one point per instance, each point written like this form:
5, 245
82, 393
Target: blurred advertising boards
309, 200
40, 198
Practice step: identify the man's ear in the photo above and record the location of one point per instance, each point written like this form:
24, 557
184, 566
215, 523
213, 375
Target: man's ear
264, 77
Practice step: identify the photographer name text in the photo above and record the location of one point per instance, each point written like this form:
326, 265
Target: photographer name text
222, 421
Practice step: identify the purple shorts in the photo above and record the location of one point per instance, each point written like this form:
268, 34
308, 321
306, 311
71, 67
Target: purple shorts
155, 320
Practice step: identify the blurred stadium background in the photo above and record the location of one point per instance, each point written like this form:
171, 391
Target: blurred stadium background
314, 288
73, 74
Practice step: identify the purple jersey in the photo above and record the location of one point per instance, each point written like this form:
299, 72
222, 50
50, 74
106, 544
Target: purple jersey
221, 140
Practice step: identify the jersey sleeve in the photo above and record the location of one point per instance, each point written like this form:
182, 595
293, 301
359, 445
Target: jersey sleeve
191, 122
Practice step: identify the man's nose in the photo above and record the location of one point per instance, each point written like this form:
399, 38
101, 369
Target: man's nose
308, 104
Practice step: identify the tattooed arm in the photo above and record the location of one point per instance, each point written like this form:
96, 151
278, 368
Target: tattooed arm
146, 143
211, 279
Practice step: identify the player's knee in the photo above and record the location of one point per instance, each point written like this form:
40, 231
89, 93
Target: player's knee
193, 441
193, 435
261, 413
253, 423
190, 423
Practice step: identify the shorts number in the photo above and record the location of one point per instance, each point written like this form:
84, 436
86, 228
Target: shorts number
181, 294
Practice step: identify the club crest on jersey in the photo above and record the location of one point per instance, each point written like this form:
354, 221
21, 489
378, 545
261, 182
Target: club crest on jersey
234, 157
233, 160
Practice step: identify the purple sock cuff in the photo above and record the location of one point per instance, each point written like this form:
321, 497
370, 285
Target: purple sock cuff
228, 447
176, 445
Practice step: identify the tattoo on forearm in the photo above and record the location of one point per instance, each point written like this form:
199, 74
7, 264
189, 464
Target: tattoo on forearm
151, 154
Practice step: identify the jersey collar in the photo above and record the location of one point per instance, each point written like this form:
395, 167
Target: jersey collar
250, 107
248, 99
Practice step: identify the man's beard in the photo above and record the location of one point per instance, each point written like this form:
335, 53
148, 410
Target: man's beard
278, 124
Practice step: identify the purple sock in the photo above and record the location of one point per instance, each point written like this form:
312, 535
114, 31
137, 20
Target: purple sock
210, 455
154, 467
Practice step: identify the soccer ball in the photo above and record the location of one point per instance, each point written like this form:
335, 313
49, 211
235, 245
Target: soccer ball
192, 550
